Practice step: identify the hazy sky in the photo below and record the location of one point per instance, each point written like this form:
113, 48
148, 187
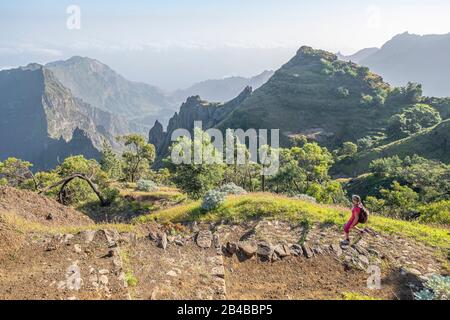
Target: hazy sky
173, 43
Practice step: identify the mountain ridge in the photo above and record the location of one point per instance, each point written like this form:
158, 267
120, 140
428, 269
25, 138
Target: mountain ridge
43, 122
102, 87
415, 58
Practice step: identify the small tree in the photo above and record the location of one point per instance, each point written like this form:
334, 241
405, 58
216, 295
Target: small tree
400, 201
413, 119
80, 177
196, 178
348, 149
110, 163
138, 158
16, 172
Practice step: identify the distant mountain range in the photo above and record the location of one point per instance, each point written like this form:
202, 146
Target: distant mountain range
70, 107
358, 56
409, 57
222, 90
42, 122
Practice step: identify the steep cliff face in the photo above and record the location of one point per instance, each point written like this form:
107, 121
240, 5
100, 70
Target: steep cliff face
103, 88
42, 122
194, 109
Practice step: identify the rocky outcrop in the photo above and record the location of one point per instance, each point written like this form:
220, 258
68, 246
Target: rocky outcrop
194, 109
156, 135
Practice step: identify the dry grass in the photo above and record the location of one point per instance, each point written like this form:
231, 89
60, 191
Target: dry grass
22, 225
271, 206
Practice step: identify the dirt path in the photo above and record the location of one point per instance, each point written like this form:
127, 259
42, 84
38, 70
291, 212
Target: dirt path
62, 267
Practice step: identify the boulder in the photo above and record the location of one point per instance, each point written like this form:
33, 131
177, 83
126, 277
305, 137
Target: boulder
216, 241
112, 237
204, 238
248, 249
163, 241
179, 242
412, 271
231, 247
360, 249
282, 250
218, 272
336, 249
88, 235
153, 235
317, 250
307, 251
265, 250
103, 279
296, 250
172, 273
67, 237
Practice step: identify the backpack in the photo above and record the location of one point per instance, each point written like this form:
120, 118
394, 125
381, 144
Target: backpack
363, 215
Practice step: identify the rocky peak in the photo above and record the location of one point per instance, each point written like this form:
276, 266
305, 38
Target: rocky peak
194, 109
156, 135
308, 52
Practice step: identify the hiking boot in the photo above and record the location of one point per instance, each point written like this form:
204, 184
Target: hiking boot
345, 242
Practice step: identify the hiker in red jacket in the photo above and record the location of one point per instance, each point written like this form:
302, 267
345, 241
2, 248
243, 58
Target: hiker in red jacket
354, 219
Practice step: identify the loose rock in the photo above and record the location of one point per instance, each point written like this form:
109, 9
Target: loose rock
336, 249
231, 247
248, 249
282, 250
265, 250
296, 250
204, 239
307, 251
163, 241
77, 248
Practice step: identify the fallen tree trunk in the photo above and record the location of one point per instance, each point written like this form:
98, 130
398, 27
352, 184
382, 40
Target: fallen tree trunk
64, 182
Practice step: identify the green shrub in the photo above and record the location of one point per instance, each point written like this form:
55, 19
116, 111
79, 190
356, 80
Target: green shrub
437, 212
146, 186
110, 194
436, 288
413, 119
78, 190
15, 172
348, 149
374, 204
400, 201
131, 279
366, 100
212, 200
231, 188
305, 197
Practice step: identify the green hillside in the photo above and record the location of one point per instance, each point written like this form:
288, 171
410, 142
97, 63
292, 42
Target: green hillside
322, 97
431, 143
